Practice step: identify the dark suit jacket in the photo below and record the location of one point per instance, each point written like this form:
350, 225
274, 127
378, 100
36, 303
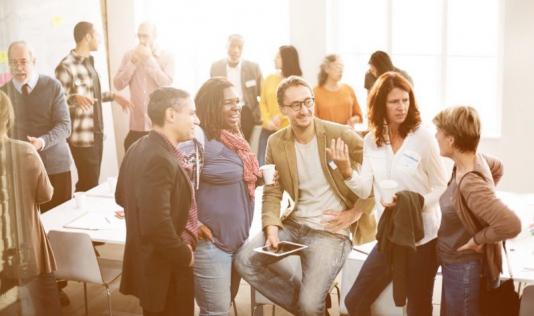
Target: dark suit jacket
250, 83
156, 196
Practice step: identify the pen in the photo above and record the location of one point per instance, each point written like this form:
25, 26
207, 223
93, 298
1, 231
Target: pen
107, 220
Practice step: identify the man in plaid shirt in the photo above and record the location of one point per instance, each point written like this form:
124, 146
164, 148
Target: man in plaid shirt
81, 83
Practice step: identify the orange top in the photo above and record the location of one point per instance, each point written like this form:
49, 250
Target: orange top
336, 106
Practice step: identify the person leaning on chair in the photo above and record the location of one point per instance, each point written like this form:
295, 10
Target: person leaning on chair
161, 221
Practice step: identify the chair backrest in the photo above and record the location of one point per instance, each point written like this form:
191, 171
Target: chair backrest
527, 301
75, 257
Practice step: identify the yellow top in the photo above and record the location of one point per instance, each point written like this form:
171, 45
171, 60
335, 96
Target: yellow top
268, 104
336, 106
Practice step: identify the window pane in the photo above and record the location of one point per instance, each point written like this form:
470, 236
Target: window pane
426, 75
472, 27
361, 26
197, 36
416, 27
472, 81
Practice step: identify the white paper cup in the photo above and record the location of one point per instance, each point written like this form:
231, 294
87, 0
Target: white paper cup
79, 198
268, 174
112, 184
388, 188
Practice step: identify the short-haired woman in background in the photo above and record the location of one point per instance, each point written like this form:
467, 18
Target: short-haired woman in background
474, 220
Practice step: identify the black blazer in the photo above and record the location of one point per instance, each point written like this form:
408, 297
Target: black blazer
156, 196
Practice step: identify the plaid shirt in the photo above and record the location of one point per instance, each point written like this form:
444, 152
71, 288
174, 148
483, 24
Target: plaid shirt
78, 76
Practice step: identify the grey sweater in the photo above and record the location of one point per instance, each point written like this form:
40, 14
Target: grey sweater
44, 114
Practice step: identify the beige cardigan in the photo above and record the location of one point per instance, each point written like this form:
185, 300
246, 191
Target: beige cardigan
483, 214
28, 187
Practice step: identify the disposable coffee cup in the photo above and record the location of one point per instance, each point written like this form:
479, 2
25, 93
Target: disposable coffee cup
388, 188
79, 198
268, 174
112, 184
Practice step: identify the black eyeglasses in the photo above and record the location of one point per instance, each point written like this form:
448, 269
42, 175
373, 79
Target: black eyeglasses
297, 105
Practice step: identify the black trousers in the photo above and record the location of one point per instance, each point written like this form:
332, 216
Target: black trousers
88, 161
180, 296
132, 137
62, 183
247, 122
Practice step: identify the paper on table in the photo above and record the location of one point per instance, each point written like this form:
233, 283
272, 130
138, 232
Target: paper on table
90, 221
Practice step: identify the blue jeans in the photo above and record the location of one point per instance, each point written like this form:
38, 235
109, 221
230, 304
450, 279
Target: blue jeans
375, 275
320, 263
262, 145
216, 282
460, 292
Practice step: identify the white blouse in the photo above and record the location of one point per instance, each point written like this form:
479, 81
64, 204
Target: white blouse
416, 166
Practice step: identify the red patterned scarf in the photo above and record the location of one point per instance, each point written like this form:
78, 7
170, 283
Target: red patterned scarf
251, 168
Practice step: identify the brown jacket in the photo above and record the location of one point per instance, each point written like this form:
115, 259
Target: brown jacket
281, 153
483, 214
28, 186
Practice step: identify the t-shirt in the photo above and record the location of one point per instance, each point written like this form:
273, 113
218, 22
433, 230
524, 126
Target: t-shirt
452, 233
315, 193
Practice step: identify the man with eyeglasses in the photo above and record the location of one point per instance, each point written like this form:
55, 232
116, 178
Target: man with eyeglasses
143, 69
41, 118
83, 91
246, 78
314, 160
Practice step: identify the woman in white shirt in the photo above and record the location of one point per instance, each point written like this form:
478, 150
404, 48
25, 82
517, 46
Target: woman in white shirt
398, 148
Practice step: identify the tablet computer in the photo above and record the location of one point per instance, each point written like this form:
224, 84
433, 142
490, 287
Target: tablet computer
284, 248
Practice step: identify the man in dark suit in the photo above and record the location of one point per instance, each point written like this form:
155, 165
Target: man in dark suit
161, 222
246, 77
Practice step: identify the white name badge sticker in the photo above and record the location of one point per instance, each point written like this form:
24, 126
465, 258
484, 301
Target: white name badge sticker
410, 159
250, 83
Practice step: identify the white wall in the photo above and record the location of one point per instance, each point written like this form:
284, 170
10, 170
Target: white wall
515, 146
308, 30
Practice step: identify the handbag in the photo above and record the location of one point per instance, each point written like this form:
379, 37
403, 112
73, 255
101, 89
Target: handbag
501, 300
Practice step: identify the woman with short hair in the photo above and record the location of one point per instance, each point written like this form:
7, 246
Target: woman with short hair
474, 220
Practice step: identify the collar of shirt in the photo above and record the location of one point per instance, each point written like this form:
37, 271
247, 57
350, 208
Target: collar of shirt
78, 58
32, 82
236, 68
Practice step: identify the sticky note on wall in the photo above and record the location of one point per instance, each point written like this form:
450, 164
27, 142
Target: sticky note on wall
57, 21
3, 57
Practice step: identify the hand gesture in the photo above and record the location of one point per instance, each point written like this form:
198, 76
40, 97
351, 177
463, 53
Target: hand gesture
83, 102
272, 240
35, 142
124, 103
337, 221
339, 153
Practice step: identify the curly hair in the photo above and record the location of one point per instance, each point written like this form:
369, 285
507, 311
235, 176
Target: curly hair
322, 76
209, 106
377, 106
7, 117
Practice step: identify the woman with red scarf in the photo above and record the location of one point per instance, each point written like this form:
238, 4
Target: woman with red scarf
225, 195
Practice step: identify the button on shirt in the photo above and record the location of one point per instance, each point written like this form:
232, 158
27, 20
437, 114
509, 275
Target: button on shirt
143, 78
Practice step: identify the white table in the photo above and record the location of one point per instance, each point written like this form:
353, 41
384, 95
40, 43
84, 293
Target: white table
99, 201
